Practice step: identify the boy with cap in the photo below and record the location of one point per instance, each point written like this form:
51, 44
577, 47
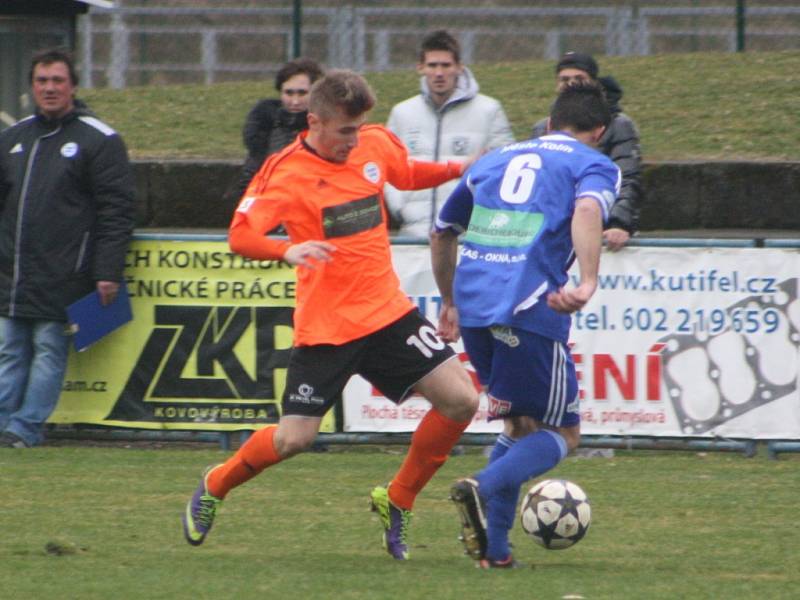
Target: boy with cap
620, 143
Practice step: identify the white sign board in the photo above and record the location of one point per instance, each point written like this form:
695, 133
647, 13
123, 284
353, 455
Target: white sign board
700, 342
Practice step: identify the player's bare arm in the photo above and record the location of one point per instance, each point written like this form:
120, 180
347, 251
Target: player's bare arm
587, 236
444, 256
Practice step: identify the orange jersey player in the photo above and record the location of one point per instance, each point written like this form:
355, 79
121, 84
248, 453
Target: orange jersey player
335, 207
351, 316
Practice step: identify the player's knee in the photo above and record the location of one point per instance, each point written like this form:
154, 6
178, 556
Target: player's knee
460, 404
451, 392
465, 403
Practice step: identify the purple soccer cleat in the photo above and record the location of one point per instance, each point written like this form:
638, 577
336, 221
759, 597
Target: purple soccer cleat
200, 511
395, 523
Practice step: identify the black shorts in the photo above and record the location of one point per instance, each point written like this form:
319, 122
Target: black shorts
393, 359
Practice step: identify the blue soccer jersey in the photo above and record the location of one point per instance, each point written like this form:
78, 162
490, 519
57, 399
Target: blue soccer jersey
515, 209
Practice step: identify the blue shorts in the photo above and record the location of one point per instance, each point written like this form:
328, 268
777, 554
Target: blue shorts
525, 374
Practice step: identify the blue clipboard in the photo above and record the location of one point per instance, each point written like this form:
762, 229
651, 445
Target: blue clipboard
90, 321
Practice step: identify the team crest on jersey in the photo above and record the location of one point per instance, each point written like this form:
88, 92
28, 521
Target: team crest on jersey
372, 172
69, 149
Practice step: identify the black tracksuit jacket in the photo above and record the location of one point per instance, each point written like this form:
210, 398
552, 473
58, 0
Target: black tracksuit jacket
66, 212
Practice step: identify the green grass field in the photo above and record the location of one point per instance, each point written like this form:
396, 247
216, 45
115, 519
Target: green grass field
665, 525
691, 106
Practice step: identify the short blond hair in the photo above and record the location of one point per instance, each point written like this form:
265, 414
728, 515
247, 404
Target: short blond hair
340, 90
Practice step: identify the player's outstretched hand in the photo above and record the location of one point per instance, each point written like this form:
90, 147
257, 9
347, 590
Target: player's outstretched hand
572, 299
308, 253
448, 324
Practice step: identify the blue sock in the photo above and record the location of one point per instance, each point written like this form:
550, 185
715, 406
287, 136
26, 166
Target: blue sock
502, 510
501, 519
536, 453
501, 446
500, 482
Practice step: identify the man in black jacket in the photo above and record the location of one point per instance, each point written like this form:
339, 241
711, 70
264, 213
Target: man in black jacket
620, 143
66, 217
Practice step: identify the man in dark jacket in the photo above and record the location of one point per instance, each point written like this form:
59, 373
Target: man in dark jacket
66, 217
620, 143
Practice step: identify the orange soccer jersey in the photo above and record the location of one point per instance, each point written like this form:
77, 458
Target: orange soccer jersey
357, 292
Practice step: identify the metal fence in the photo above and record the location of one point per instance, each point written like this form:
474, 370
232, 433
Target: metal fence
139, 43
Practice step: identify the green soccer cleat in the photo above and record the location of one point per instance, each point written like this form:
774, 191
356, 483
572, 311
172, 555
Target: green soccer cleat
395, 523
200, 511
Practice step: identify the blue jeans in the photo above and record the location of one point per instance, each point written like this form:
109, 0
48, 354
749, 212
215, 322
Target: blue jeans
33, 359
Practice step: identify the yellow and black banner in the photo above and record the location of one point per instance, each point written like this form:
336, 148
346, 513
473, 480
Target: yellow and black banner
207, 348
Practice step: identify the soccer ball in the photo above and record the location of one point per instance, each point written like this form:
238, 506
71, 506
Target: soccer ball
555, 513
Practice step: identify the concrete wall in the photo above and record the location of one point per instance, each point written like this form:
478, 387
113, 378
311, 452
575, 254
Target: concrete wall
184, 193
679, 196
719, 195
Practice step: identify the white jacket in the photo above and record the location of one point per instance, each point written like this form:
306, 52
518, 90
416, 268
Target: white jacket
466, 124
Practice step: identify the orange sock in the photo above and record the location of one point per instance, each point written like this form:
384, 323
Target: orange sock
255, 455
430, 445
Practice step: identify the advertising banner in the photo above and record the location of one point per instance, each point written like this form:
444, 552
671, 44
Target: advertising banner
700, 342
207, 348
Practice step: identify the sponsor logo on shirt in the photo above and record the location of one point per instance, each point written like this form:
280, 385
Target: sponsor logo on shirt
352, 217
503, 228
499, 220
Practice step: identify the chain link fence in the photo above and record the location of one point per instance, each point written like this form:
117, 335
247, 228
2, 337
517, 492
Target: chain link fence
180, 41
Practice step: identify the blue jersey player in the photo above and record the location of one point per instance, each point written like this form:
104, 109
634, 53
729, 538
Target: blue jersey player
526, 212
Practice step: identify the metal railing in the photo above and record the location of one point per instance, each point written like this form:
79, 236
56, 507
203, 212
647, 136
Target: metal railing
125, 46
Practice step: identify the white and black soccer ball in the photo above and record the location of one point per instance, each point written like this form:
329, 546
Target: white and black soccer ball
555, 513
